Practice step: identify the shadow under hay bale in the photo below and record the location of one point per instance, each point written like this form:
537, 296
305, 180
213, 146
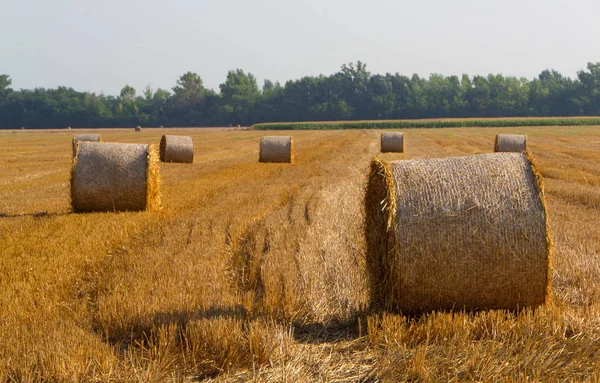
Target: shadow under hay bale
177, 149
276, 149
84, 137
464, 233
115, 177
392, 142
510, 143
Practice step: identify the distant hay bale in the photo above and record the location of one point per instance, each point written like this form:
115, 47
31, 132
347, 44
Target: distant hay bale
392, 142
177, 149
84, 137
115, 177
276, 149
68, 127
138, 128
510, 143
457, 233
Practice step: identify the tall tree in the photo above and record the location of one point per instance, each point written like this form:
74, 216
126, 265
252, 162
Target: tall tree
240, 94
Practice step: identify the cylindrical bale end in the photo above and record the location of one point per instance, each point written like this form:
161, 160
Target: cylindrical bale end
115, 177
276, 149
84, 137
392, 142
464, 233
510, 143
177, 149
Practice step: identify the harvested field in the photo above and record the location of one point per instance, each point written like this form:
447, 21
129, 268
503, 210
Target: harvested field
258, 273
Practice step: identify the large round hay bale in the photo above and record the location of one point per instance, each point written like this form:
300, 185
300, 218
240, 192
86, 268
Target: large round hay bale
84, 137
138, 128
464, 233
392, 142
276, 149
510, 143
115, 177
177, 149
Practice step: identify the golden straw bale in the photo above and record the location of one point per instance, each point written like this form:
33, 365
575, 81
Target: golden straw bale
138, 128
510, 143
84, 137
276, 149
464, 233
392, 142
177, 149
115, 177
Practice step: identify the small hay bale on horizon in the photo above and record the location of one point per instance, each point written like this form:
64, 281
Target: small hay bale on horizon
277, 149
138, 128
510, 143
177, 149
392, 142
94, 137
462, 233
115, 177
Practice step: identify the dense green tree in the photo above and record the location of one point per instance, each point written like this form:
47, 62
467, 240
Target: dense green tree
240, 94
350, 93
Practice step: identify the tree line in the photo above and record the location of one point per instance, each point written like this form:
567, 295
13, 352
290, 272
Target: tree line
353, 93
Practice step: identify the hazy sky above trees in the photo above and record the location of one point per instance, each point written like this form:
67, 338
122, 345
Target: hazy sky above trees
102, 45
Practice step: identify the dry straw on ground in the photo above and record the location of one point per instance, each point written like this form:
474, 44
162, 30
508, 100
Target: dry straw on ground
115, 177
84, 137
457, 233
392, 142
276, 149
510, 143
177, 149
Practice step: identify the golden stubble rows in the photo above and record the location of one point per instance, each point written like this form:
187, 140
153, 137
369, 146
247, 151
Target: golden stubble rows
257, 271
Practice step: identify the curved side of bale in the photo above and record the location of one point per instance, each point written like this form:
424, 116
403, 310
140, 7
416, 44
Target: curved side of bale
115, 177
177, 149
276, 149
510, 143
84, 137
464, 233
392, 142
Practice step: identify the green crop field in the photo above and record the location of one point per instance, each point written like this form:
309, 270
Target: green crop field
432, 123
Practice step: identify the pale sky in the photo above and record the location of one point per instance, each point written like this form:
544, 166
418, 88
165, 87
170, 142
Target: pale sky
101, 45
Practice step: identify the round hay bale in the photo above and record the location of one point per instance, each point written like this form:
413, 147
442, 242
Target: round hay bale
68, 127
177, 149
392, 142
276, 149
84, 137
510, 143
115, 177
138, 128
464, 233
